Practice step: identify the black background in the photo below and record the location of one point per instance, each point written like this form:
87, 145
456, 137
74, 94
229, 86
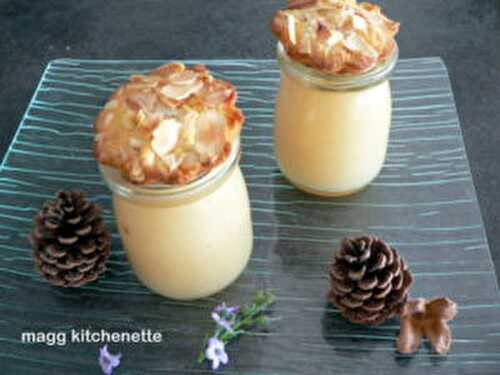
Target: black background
465, 33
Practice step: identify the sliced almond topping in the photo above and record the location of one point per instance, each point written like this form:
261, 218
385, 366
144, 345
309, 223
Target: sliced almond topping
142, 100
312, 32
168, 69
188, 135
334, 38
168, 126
291, 29
136, 172
297, 4
191, 160
128, 124
217, 97
211, 136
150, 123
305, 46
108, 118
112, 104
172, 161
354, 43
359, 23
140, 117
132, 104
136, 78
165, 136
187, 77
179, 93
136, 142
148, 157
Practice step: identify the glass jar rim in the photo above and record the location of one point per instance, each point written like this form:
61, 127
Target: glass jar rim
124, 188
337, 82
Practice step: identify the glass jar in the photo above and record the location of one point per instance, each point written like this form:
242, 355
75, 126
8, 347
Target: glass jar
190, 241
331, 131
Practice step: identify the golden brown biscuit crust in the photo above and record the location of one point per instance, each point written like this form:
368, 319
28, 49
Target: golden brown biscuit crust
168, 126
335, 36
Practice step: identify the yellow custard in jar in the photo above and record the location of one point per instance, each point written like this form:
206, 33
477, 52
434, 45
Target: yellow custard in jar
331, 132
168, 146
186, 242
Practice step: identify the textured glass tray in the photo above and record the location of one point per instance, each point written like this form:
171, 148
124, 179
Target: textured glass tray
423, 202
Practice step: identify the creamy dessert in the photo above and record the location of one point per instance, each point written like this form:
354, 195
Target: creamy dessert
168, 147
333, 109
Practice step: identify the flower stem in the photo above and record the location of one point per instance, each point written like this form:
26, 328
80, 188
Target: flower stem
248, 317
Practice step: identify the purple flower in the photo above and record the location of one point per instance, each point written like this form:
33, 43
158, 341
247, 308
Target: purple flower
216, 353
223, 309
223, 315
108, 361
226, 324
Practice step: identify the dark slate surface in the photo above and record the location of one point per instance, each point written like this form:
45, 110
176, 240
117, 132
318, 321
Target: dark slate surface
423, 202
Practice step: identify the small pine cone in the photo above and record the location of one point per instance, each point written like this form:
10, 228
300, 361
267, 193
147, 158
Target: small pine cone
70, 242
369, 280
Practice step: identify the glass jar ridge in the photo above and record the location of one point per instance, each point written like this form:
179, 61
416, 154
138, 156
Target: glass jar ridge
172, 194
336, 82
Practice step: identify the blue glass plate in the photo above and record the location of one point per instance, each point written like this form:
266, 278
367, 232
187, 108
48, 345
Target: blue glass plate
423, 202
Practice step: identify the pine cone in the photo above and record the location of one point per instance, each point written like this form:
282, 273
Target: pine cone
70, 241
369, 280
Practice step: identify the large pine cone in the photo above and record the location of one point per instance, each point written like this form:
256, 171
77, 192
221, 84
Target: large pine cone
70, 242
369, 280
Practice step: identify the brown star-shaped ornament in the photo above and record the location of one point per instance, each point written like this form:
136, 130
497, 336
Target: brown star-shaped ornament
420, 318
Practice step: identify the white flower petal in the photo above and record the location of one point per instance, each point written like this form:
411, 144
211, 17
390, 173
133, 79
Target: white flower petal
210, 353
220, 345
223, 357
215, 317
215, 363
